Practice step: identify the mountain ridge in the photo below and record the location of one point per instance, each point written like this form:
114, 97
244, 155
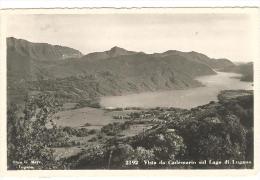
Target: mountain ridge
41, 51
112, 72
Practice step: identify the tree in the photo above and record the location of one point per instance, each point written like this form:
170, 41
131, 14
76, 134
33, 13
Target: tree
28, 135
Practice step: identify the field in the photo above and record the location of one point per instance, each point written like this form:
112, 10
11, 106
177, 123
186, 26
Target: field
94, 119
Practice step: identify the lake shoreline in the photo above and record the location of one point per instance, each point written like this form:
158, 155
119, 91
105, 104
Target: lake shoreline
211, 86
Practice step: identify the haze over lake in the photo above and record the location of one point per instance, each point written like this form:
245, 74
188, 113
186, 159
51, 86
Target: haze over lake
187, 98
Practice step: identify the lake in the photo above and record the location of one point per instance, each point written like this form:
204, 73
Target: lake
187, 98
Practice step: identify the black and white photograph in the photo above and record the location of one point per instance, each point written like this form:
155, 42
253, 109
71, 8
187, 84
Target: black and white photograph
130, 89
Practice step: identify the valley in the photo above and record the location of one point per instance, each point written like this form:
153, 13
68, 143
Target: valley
99, 110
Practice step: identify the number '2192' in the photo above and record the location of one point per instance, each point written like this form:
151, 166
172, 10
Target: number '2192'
128, 163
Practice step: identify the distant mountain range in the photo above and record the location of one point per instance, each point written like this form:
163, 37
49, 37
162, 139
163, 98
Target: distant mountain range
111, 72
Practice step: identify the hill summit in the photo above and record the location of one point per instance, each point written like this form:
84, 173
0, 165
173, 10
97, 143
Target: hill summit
40, 51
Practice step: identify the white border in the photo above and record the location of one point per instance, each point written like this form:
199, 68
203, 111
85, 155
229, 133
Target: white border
125, 3
47, 173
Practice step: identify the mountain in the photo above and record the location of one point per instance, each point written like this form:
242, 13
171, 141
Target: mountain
216, 64
246, 69
119, 75
63, 70
113, 52
40, 51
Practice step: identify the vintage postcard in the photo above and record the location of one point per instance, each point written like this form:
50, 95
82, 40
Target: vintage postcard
134, 90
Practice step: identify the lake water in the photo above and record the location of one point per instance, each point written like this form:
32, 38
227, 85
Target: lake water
187, 98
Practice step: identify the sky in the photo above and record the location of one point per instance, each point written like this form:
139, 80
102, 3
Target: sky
216, 35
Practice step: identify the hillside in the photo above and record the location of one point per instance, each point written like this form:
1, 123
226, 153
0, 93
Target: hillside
246, 69
218, 131
66, 72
